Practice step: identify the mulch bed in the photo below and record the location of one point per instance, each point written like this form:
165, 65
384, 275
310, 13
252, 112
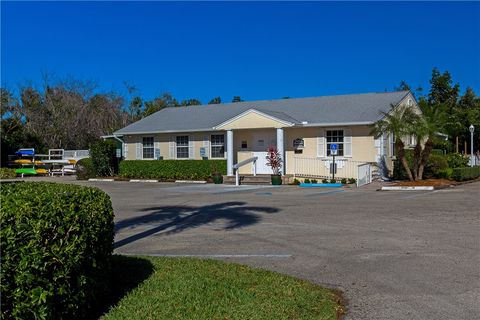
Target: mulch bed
426, 182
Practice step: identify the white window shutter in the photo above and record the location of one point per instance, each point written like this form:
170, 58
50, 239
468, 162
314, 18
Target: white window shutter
206, 145
156, 144
139, 151
347, 142
384, 144
321, 144
191, 151
171, 148
125, 150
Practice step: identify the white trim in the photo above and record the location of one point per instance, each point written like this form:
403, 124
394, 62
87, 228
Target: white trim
211, 145
336, 124
241, 115
321, 144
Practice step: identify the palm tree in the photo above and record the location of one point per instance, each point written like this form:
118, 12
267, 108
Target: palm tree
399, 121
426, 132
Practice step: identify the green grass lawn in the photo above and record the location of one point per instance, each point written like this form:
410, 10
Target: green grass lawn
183, 288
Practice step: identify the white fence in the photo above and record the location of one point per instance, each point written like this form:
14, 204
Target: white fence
312, 167
76, 154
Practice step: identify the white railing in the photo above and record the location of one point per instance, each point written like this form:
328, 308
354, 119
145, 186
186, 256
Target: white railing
76, 154
475, 159
241, 164
312, 167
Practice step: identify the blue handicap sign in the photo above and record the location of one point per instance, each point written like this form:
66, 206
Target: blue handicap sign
334, 146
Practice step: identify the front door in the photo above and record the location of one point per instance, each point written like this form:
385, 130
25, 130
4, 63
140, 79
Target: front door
261, 142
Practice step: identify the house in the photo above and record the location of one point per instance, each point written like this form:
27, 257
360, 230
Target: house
302, 129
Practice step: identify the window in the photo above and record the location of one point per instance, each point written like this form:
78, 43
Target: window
244, 144
147, 146
182, 147
335, 136
217, 142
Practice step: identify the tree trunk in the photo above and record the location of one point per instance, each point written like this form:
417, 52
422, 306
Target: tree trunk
417, 154
425, 155
401, 155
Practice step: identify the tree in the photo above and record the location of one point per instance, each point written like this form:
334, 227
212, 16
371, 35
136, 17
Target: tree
426, 130
237, 99
191, 102
165, 100
403, 86
216, 100
69, 114
442, 90
399, 121
135, 109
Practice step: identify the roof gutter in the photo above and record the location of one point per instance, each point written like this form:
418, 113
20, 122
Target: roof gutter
335, 124
114, 136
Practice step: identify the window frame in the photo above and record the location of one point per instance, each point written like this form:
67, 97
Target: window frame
149, 148
341, 144
182, 147
216, 145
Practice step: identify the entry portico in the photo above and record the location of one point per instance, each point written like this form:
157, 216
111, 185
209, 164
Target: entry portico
265, 130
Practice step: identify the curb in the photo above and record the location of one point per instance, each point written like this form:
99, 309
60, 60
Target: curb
102, 180
139, 180
425, 188
190, 181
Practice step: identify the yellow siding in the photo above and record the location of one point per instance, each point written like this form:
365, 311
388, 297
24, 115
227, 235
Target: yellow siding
252, 121
363, 148
164, 143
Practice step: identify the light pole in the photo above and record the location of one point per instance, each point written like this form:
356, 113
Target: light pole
472, 129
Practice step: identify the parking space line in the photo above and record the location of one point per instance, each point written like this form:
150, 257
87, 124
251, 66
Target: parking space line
323, 193
212, 255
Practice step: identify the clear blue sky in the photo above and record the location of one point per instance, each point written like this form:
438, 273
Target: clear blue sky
255, 50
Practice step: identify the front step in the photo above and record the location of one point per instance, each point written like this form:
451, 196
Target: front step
259, 179
249, 179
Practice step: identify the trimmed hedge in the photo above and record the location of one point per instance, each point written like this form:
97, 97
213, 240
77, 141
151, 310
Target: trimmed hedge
172, 169
85, 169
468, 173
57, 242
7, 173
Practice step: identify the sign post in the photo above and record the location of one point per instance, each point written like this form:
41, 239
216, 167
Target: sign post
333, 152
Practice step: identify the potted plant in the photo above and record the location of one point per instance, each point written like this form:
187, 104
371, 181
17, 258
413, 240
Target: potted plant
274, 160
217, 177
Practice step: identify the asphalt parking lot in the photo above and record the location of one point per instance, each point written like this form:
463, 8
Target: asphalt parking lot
395, 255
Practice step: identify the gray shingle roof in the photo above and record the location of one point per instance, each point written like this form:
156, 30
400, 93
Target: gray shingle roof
352, 108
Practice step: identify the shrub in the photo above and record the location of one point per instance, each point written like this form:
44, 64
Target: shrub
434, 165
324, 180
85, 169
306, 181
314, 181
296, 182
333, 181
7, 173
344, 181
456, 160
445, 173
57, 241
467, 173
103, 158
352, 180
168, 170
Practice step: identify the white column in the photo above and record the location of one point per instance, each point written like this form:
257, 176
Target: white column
229, 153
281, 148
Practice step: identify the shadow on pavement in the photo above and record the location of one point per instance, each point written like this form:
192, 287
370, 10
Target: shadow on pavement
180, 218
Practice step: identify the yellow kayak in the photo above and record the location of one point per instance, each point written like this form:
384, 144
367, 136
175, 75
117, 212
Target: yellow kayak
23, 161
72, 161
41, 171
